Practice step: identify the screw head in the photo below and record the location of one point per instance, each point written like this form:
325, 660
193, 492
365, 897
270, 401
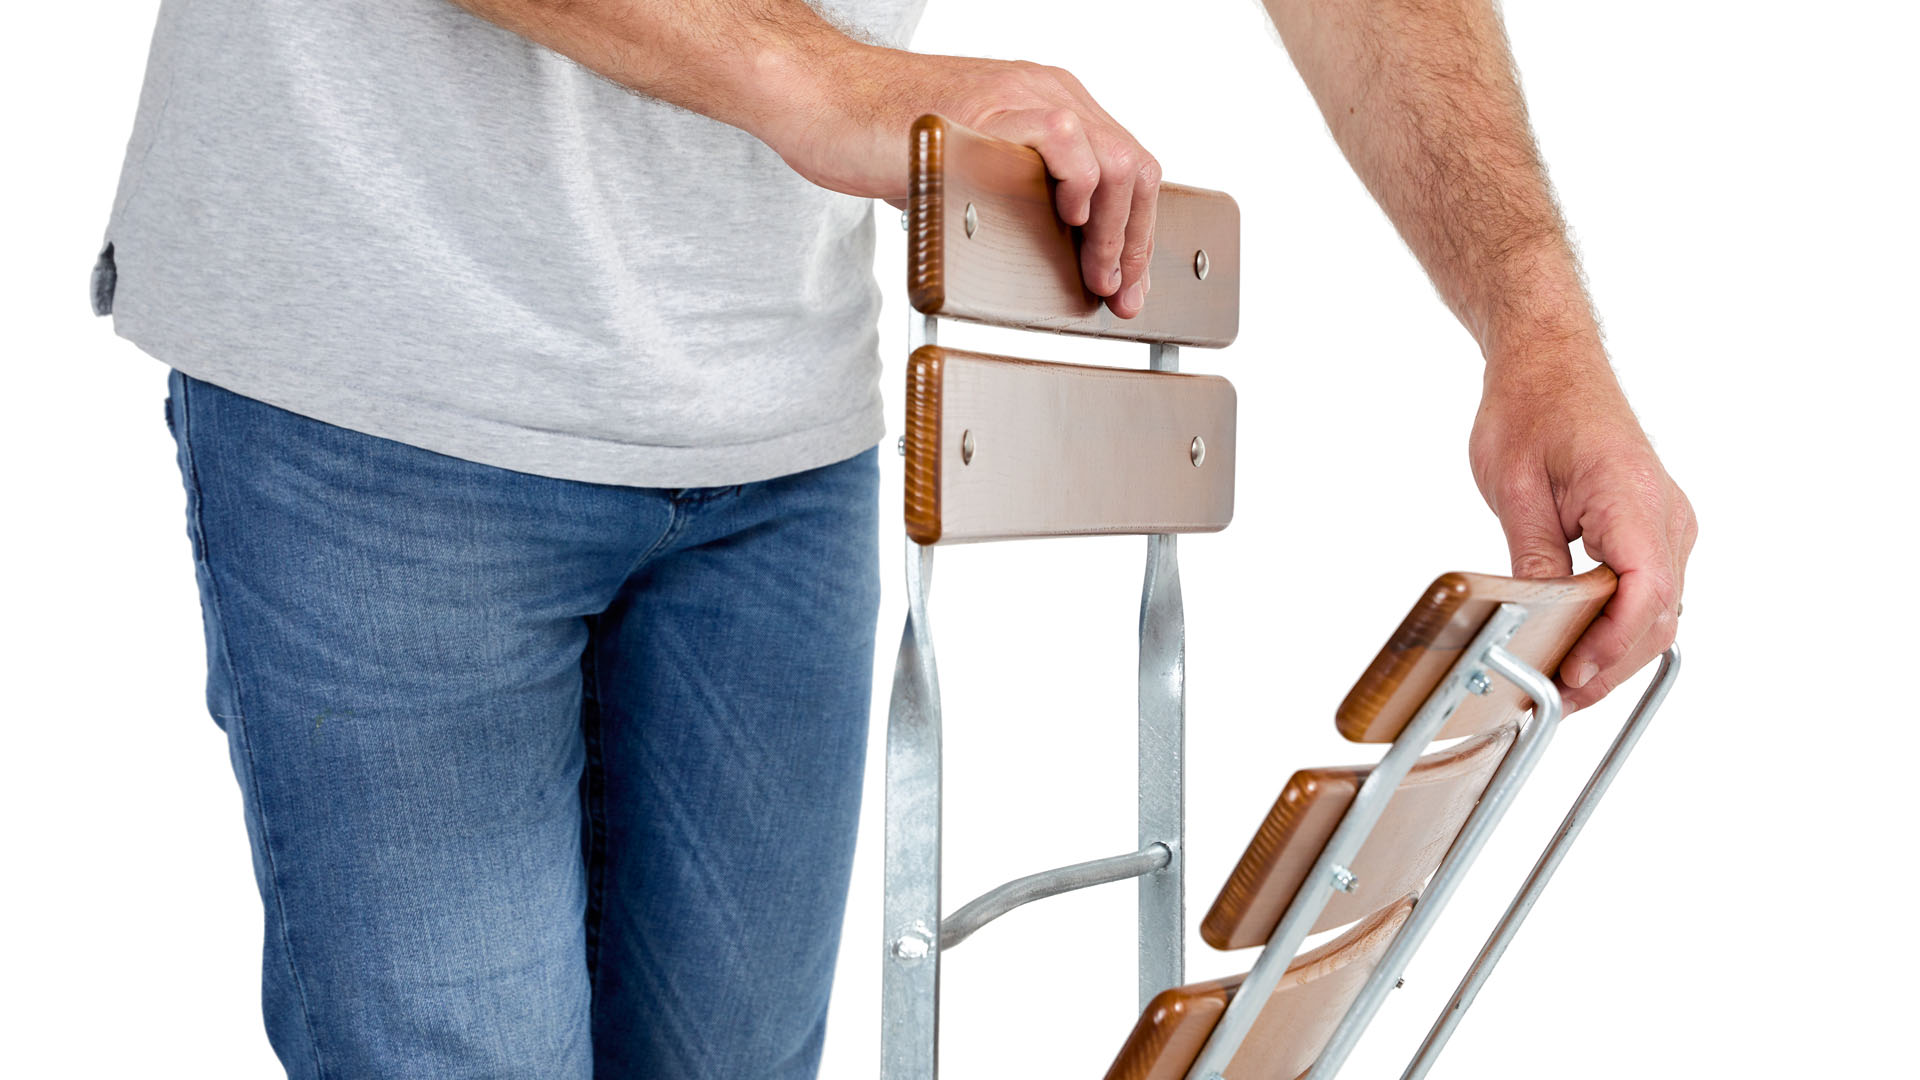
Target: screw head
912, 946
1200, 264
902, 446
1479, 683
972, 220
1344, 880
1197, 451
966, 447
903, 221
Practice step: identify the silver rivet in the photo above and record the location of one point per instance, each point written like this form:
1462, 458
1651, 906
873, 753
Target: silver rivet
903, 221
973, 220
1479, 683
903, 446
913, 946
1197, 451
1200, 264
1344, 880
966, 447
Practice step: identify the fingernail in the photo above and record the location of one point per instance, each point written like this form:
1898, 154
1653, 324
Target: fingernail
1113, 282
1579, 673
1149, 280
1135, 295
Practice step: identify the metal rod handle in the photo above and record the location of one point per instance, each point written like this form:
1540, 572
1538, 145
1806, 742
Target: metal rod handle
990, 905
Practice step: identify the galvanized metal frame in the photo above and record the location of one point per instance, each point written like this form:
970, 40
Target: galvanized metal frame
1469, 675
915, 932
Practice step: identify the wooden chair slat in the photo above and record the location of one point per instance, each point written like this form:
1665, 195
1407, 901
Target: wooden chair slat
1430, 639
998, 448
1406, 845
1297, 1022
1012, 262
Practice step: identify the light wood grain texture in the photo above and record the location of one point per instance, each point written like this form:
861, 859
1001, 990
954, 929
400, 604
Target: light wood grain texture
999, 448
1299, 1018
1407, 843
1020, 266
1444, 622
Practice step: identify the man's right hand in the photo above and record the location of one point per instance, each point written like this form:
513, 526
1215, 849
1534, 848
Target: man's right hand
1107, 182
838, 111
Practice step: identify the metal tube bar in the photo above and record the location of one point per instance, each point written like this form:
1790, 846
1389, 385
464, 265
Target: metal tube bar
1507, 780
1337, 856
910, 972
1161, 753
990, 905
1542, 873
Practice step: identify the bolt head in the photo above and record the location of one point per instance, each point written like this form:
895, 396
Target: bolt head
1200, 264
911, 947
1479, 683
972, 220
966, 447
902, 446
903, 221
1197, 451
1344, 879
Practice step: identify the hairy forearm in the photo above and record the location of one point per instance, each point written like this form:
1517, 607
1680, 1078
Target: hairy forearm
1422, 98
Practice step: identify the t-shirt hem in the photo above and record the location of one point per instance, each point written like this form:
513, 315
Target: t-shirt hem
527, 450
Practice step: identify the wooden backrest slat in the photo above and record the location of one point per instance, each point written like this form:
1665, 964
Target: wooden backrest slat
1290, 1032
1444, 622
1406, 845
998, 448
1018, 265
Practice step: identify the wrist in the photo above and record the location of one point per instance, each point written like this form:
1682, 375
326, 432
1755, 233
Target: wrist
833, 111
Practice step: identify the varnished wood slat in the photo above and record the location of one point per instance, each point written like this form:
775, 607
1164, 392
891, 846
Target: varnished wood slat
1020, 266
1297, 1022
1455, 606
1062, 449
1407, 843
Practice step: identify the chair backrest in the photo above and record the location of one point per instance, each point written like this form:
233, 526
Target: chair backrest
985, 245
1301, 1014
1002, 448
999, 448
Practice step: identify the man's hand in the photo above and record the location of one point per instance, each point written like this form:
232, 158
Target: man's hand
1107, 182
1560, 457
838, 110
1421, 95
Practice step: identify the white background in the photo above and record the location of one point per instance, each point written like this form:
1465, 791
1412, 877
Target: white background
1740, 177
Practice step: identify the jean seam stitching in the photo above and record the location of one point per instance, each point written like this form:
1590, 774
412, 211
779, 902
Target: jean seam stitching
185, 419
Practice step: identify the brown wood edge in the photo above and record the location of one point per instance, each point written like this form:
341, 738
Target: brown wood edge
1243, 884
922, 463
926, 215
1390, 667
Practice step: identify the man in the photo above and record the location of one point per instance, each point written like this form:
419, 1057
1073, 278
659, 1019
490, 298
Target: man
527, 419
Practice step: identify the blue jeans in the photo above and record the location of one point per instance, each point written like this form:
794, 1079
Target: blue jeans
543, 779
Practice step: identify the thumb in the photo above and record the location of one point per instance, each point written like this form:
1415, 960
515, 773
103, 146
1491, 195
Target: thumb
1535, 538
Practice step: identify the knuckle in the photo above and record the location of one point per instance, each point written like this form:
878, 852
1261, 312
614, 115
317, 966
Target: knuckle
1149, 173
1064, 123
1123, 160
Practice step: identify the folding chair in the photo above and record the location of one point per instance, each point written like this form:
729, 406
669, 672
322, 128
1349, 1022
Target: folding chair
1001, 448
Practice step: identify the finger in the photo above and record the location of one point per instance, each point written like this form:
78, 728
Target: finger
1637, 623
1061, 139
1536, 541
1105, 236
1136, 255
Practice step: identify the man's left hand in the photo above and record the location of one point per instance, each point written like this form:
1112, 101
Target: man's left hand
1559, 457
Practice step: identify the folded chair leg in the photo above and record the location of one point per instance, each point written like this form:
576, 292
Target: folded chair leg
1557, 849
1162, 746
910, 982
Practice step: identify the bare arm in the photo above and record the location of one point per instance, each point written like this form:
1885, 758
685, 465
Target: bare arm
1422, 98
838, 110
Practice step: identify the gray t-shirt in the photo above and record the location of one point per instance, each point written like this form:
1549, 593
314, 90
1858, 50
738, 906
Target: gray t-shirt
396, 217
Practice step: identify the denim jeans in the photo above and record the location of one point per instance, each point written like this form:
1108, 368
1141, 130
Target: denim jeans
543, 779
